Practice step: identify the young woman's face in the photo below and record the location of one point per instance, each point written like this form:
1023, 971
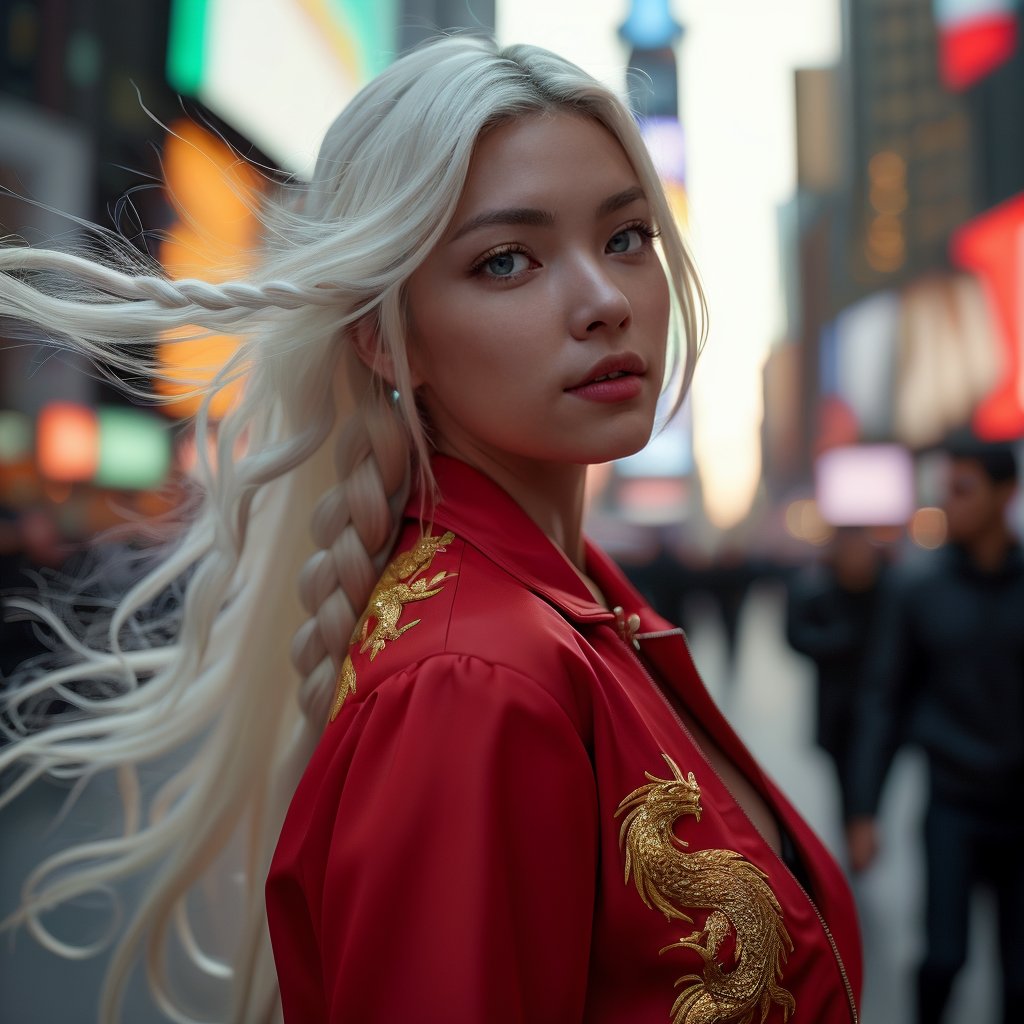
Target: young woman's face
538, 325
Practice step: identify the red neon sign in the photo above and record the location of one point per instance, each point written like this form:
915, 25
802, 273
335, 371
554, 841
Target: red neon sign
992, 246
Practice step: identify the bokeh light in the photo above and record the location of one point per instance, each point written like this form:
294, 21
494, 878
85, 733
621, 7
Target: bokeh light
67, 442
15, 436
928, 528
805, 522
134, 449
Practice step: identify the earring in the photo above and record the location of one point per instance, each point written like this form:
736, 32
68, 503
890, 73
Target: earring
396, 396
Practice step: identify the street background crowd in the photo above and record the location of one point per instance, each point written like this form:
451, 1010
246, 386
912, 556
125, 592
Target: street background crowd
833, 516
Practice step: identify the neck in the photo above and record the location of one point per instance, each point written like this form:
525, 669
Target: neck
551, 494
988, 551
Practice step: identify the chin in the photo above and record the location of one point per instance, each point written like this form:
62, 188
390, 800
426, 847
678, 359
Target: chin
620, 447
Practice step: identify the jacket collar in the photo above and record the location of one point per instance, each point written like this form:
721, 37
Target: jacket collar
484, 515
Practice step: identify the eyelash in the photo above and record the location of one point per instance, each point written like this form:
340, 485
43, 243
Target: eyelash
500, 250
645, 230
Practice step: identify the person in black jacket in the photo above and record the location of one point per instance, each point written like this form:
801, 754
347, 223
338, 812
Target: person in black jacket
830, 611
947, 672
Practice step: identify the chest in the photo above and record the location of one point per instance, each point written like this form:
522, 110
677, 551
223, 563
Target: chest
749, 799
694, 897
955, 617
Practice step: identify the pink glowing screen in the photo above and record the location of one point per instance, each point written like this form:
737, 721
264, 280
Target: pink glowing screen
865, 485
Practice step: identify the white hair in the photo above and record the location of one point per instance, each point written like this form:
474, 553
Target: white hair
241, 672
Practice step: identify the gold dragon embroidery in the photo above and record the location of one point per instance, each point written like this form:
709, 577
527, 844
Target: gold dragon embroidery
346, 685
734, 891
397, 587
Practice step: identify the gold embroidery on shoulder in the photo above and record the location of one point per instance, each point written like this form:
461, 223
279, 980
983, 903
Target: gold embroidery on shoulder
734, 890
397, 587
346, 685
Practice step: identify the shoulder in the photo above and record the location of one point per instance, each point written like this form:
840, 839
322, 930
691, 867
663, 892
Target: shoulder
911, 589
920, 571
443, 615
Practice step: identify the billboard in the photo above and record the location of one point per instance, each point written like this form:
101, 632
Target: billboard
279, 71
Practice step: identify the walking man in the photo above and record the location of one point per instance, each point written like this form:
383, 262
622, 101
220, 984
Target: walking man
946, 671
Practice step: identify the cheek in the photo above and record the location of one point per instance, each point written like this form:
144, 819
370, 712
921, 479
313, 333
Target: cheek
437, 335
654, 296
493, 334
656, 310
456, 352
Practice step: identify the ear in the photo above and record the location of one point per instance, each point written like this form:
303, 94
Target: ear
364, 335
365, 338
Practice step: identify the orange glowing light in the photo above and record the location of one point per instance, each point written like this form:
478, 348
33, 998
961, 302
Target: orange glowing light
192, 364
888, 169
215, 196
928, 528
67, 442
804, 522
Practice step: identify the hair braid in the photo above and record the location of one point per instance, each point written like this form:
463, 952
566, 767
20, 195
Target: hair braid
353, 527
233, 295
183, 293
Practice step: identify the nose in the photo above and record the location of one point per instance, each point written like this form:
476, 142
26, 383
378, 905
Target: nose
599, 302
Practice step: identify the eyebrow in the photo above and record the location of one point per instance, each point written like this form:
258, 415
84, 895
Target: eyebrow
621, 199
524, 215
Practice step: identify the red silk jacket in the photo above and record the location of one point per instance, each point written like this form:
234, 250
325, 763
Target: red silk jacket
506, 821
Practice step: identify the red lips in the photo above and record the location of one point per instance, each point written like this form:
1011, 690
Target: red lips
621, 363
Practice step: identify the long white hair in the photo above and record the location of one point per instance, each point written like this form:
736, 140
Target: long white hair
241, 675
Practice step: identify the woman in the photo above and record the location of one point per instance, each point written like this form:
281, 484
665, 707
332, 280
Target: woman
484, 831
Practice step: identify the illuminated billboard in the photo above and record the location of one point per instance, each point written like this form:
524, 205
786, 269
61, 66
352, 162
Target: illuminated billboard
975, 37
279, 71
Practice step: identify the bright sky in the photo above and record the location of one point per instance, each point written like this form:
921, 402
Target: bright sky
736, 77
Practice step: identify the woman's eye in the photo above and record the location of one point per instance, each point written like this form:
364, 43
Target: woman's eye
505, 264
627, 240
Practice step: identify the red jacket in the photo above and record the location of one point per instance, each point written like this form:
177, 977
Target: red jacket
506, 821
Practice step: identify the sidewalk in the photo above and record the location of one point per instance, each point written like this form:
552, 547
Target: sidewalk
770, 704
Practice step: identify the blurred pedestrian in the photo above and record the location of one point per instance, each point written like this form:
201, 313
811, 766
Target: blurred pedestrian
829, 616
727, 581
947, 672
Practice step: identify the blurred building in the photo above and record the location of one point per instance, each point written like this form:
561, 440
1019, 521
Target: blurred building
80, 86
93, 71
904, 281
88, 91
911, 182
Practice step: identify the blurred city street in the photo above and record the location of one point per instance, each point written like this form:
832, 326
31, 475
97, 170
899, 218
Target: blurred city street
769, 701
848, 177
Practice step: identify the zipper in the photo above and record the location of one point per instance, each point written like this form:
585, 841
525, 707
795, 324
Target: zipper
631, 638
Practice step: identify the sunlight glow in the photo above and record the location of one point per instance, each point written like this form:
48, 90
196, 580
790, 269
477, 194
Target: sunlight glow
736, 65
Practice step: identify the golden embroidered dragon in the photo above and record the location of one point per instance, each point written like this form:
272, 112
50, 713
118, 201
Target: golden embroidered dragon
397, 587
735, 892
